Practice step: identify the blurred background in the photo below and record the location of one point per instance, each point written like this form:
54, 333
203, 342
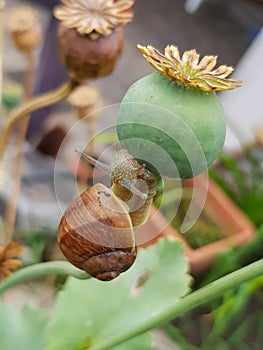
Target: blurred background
217, 27
230, 29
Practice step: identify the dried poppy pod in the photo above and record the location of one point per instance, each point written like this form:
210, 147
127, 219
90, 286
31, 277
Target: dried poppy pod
86, 100
86, 58
25, 29
91, 35
9, 258
258, 134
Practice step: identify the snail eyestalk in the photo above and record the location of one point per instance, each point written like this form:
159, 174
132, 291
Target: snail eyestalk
101, 166
109, 170
127, 184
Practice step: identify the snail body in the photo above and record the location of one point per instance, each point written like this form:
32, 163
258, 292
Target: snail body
96, 232
127, 169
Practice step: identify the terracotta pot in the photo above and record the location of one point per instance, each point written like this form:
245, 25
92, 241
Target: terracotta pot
236, 229
241, 175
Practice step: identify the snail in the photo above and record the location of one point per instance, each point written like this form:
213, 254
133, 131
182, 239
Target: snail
96, 232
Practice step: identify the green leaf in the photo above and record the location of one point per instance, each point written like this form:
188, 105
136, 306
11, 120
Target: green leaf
142, 342
90, 312
23, 330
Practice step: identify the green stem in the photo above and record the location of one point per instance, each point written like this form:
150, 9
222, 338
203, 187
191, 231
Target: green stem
200, 297
48, 268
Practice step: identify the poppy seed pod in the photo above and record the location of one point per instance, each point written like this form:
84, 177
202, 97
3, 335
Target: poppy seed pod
91, 35
86, 100
174, 116
85, 58
25, 29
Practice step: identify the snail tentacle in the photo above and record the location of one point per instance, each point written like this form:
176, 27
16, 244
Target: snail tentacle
101, 166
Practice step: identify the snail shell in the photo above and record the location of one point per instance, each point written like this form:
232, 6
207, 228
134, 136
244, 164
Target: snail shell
96, 232
98, 223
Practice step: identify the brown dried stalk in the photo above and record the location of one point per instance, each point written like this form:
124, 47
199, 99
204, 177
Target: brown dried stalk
21, 114
11, 206
30, 106
26, 34
87, 101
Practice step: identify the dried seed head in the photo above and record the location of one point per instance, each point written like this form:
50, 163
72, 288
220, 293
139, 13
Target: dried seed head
24, 27
188, 70
84, 96
86, 99
258, 133
9, 258
22, 18
96, 17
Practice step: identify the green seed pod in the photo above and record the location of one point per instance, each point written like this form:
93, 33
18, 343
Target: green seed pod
174, 121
